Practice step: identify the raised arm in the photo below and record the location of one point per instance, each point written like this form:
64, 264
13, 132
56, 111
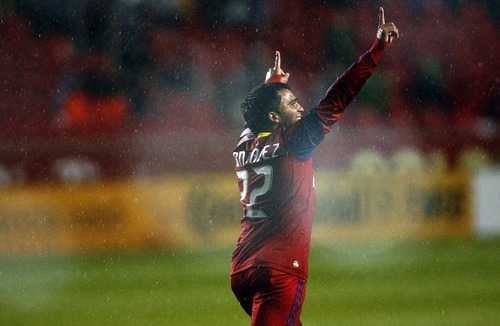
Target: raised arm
347, 86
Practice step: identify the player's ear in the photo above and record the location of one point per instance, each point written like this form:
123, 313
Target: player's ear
274, 117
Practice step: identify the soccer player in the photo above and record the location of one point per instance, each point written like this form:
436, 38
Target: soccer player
275, 176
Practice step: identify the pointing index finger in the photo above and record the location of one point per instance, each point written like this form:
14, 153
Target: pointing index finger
381, 17
277, 61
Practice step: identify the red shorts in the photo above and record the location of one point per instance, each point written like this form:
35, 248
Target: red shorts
271, 297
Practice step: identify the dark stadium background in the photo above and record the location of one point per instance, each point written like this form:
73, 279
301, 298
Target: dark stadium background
117, 202
179, 69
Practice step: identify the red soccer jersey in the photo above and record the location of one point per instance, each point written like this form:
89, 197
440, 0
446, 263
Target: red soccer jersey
276, 179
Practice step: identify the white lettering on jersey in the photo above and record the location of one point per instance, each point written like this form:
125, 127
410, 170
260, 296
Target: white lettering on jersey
256, 155
276, 146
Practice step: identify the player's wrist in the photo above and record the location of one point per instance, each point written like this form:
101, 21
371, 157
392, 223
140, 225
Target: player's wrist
377, 48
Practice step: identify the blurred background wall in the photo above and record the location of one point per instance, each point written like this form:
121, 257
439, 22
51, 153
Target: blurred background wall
116, 98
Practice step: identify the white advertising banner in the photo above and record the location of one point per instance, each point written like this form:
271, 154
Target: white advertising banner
486, 201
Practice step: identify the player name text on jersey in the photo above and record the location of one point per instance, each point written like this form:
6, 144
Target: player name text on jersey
256, 155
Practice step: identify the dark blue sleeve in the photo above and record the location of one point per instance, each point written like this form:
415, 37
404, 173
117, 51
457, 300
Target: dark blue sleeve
304, 136
307, 136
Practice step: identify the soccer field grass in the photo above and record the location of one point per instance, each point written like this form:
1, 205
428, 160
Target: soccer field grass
447, 282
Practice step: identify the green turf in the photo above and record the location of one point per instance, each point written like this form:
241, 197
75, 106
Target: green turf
453, 282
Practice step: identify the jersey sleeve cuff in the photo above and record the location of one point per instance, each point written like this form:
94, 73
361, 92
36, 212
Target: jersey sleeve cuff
274, 79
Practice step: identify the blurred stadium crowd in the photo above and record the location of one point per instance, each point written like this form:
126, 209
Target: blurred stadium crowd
101, 69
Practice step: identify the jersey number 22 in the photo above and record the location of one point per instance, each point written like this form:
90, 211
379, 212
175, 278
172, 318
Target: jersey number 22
267, 172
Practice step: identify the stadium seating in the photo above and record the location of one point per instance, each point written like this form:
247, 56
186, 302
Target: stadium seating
194, 72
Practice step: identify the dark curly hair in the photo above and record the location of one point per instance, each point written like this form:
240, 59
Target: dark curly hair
260, 101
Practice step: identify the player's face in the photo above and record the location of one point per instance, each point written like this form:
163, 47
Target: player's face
290, 109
